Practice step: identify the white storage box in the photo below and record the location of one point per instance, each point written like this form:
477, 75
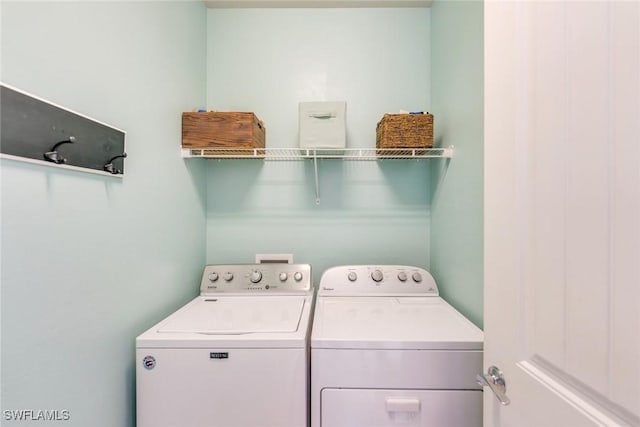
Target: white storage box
323, 125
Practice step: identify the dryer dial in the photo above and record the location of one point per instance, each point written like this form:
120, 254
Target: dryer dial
213, 277
377, 276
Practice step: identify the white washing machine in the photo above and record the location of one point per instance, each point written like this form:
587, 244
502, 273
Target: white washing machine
386, 350
236, 356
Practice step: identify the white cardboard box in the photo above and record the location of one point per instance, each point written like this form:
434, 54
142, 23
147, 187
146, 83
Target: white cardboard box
323, 124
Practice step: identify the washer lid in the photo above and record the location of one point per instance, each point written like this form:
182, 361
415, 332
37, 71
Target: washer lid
236, 315
418, 323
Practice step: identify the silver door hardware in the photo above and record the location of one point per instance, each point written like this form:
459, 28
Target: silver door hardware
495, 380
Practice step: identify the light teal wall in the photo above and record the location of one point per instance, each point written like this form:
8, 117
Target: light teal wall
89, 262
457, 99
268, 60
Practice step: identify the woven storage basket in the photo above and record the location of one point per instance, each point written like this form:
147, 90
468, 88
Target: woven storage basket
405, 131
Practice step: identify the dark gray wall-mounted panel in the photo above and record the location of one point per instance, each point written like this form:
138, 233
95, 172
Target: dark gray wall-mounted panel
32, 127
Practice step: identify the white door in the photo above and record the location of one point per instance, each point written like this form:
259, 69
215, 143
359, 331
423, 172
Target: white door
562, 211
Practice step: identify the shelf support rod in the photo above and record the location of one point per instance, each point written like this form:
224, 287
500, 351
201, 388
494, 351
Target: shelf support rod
315, 172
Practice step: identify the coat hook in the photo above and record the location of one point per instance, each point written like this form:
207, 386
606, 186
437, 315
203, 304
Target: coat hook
109, 165
54, 156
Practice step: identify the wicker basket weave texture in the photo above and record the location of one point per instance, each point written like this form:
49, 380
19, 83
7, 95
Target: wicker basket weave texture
405, 131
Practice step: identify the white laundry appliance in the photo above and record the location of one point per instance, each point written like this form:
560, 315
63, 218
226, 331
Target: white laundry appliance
235, 356
386, 350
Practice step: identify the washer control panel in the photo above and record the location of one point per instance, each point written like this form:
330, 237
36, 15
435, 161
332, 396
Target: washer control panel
377, 280
256, 278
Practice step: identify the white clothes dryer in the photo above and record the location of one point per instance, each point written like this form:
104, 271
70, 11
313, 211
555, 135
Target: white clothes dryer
235, 356
386, 350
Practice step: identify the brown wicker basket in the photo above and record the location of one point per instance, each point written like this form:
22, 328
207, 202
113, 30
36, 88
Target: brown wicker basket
405, 131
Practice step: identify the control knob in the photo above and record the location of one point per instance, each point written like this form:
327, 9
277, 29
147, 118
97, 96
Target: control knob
228, 276
283, 277
352, 276
377, 276
213, 277
402, 276
255, 276
297, 276
417, 277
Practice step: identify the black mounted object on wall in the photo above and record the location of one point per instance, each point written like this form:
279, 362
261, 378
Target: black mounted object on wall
109, 166
54, 156
37, 131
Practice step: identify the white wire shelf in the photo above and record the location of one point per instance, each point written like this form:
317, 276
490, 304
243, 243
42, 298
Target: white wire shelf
304, 153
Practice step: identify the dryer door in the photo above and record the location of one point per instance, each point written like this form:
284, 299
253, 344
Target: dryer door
381, 408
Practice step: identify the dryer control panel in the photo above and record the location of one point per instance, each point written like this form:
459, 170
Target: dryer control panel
363, 280
268, 278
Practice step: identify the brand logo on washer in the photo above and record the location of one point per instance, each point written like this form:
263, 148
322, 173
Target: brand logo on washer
149, 362
222, 355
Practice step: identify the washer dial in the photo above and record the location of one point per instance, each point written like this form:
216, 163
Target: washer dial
255, 276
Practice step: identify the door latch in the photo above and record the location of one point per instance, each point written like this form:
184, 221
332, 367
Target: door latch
495, 380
